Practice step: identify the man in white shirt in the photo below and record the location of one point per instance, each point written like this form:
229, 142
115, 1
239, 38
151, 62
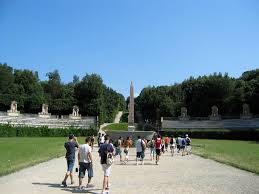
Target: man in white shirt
85, 163
102, 140
140, 149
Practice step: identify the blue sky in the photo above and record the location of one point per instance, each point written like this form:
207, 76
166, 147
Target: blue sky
147, 41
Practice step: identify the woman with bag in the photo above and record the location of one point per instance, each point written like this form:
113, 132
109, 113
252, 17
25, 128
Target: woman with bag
106, 153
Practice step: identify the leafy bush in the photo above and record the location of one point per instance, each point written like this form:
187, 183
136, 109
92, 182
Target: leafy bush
9, 131
124, 117
250, 134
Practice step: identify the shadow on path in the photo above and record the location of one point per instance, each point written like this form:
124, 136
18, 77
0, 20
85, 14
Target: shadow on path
72, 189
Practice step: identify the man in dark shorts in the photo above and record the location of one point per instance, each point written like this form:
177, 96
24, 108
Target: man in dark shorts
85, 162
183, 146
158, 143
70, 146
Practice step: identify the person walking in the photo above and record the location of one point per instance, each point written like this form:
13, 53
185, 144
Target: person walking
172, 145
70, 146
127, 146
117, 146
151, 145
166, 143
183, 146
92, 141
140, 150
188, 144
101, 140
85, 162
106, 152
158, 143
178, 143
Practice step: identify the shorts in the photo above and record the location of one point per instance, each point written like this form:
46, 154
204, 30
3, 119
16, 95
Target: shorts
117, 151
152, 151
126, 151
70, 165
83, 167
106, 169
140, 155
182, 147
178, 146
158, 152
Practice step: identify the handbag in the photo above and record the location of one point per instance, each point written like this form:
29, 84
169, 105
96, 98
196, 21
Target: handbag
109, 160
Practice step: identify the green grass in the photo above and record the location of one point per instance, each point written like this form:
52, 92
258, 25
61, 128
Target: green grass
240, 154
117, 127
20, 152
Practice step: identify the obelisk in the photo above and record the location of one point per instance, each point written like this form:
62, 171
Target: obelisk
131, 126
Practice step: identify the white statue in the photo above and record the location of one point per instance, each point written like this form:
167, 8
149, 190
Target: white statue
44, 111
13, 110
75, 113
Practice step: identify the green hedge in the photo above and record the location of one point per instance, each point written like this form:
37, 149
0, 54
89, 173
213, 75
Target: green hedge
9, 131
250, 134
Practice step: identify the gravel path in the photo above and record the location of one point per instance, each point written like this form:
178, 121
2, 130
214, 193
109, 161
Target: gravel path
189, 174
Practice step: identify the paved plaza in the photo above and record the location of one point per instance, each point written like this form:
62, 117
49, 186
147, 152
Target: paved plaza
189, 174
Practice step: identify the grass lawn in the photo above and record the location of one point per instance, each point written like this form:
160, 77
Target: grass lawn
21, 152
240, 154
117, 127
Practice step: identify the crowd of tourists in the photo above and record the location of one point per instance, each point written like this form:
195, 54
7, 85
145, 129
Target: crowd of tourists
110, 149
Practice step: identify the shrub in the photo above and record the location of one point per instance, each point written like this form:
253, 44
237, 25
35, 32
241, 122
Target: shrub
249, 134
9, 131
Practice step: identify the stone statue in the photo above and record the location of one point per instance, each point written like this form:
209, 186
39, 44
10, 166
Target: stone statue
44, 112
13, 110
75, 113
184, 115
131, 126
246, 112
214, 113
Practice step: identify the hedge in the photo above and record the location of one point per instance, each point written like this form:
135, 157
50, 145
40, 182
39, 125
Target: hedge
10, 131
249, 134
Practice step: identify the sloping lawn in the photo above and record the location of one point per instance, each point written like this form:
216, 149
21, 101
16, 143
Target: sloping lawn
117, 127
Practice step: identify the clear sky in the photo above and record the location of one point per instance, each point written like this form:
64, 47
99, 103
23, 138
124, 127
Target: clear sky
150, 42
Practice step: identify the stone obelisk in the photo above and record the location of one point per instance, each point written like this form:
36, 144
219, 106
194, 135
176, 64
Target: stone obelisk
131, 126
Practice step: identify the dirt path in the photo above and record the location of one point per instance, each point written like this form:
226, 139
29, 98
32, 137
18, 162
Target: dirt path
118, 117
189, 174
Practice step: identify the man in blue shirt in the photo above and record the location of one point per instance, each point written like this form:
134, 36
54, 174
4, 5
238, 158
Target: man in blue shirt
70, 146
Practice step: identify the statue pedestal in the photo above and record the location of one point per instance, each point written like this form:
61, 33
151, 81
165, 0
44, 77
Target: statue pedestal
187, 118
245, 117
44, 116
13, 114
131, 128
73, 117
215, 118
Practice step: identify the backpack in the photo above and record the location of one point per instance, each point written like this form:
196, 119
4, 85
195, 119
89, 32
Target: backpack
116, 144
151, 145
188, 141
142, 146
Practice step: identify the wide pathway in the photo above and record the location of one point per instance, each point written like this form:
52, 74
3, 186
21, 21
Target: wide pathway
189, 174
